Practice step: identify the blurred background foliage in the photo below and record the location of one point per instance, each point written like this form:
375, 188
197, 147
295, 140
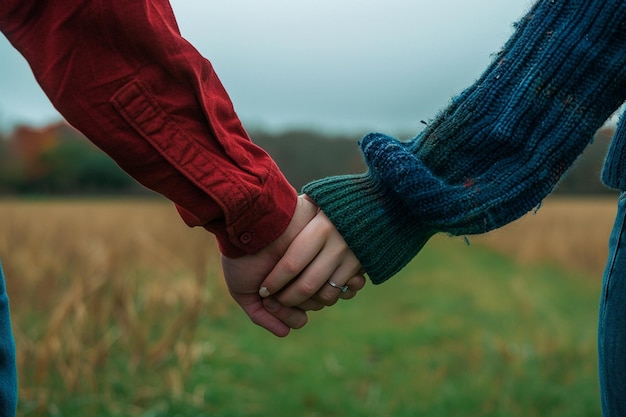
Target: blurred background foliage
58, 160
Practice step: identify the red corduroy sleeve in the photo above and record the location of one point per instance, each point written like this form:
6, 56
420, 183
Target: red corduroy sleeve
120, 72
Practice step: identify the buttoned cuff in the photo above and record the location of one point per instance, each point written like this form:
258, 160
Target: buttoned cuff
264, 220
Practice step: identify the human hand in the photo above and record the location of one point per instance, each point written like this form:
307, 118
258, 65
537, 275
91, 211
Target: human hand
317, 269
244, 276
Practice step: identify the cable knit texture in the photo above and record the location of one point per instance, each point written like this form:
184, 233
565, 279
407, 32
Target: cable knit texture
498, 149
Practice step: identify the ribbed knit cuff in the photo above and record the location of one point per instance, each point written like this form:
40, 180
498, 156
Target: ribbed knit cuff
373, 222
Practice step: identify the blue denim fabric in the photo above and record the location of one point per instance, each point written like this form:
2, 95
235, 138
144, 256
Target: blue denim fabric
612, 321
8, 372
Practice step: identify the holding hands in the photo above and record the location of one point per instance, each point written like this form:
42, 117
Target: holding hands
317, 269
307, 268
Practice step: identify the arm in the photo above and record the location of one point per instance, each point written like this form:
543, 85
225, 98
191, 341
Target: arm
498, 149
121, 73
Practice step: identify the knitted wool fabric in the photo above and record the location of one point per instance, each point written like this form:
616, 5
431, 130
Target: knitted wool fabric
498, 149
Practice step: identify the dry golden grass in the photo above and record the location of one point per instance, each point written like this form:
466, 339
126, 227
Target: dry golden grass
88, 277
90, 281
572, 232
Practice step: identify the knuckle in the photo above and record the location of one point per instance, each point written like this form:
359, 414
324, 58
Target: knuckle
328, 299
286, 301
290, 266
299, 323
348, 295
326, 227
307, 289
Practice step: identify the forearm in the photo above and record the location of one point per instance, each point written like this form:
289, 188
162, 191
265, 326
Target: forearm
504, 143
121, 73
498, 149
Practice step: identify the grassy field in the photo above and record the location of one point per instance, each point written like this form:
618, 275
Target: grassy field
570, 232
120, 310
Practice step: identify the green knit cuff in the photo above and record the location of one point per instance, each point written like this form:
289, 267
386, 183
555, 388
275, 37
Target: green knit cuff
373, 222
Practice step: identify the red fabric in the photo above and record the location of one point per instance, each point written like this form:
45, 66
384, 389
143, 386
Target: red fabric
120, 72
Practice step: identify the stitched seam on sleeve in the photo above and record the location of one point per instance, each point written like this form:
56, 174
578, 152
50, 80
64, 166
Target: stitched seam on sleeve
144, 114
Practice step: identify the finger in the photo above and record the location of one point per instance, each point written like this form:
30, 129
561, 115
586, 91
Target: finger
311, 281
302, 250
294, 318
331, 252
253, 306
332, 264
341, 283
311, 305
340, 287
355, 284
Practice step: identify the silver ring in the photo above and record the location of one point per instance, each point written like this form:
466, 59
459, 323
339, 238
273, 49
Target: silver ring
343, 288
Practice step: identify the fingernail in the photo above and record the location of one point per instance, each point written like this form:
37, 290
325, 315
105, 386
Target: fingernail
264, 292
271, 304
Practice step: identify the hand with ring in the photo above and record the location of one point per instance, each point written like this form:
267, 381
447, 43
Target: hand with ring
316, 271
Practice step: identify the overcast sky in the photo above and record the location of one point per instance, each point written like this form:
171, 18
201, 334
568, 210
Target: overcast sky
336, 65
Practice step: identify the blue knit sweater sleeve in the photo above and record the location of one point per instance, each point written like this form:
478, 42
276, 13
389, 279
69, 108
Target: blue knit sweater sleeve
499, 148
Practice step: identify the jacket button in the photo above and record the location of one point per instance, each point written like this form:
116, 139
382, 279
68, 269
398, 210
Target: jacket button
245, 237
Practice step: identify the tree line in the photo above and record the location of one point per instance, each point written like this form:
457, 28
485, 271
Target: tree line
58, 160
